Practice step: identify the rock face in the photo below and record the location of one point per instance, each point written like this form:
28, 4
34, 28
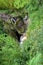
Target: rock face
16, 26
23, 38
4, 17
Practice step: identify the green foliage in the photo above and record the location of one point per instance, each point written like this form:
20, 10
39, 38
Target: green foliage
7, 4
34, 5
20, 3
35, 60
31, 52
9, 50
34, 44
11, 4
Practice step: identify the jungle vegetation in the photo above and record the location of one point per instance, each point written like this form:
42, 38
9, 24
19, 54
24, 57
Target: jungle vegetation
31, 51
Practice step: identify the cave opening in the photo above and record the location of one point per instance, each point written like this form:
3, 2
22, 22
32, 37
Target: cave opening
18, 36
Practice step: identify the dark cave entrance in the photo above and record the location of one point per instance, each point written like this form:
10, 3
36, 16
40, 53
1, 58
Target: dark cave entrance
18, 36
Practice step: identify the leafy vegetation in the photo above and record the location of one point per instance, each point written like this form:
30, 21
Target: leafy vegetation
31, 52
11, 4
